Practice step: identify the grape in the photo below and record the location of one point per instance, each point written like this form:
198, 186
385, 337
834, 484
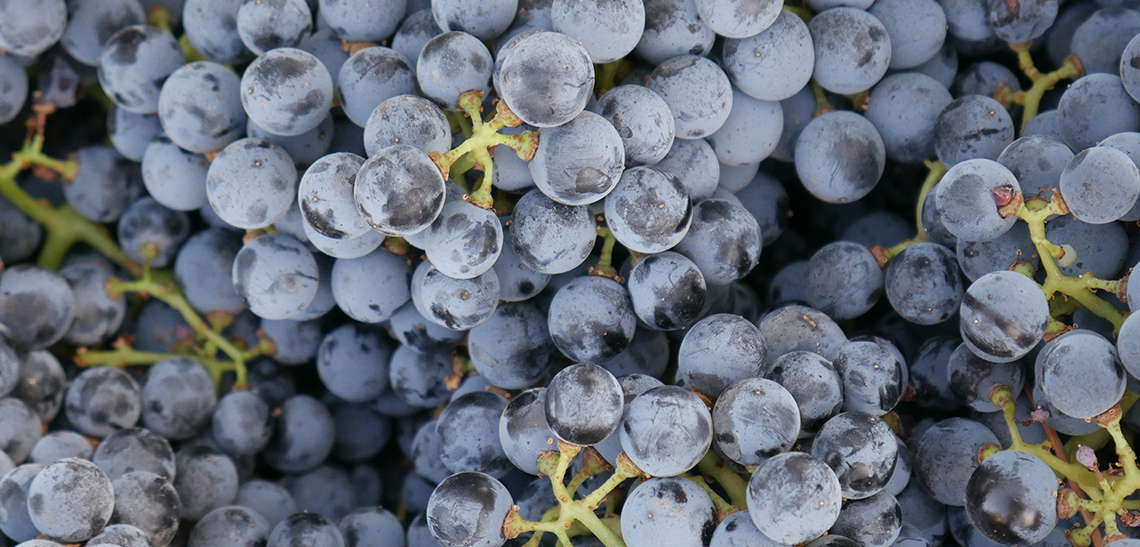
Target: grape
325, 195
985, 78
609, 319
923, 284
947, 455
342, 248
251, 183
969, 198
419, 334
844, 280
420, 378
1004, 315
456, 304
973, 379
873, 376
667, 290
586, 174
199, 107
814, 385
371, 22
1024, 22
607, 31
452, 64
123, 535
464, 241
737, 530
174, 177
410, 120
102, 400
59, 445
972, 127
666, 431
793, 497
275, 275
13, 87
264, 25
469, 434
371, 526
352, 362
980, 258
134, 449
925, 514
399, 191
30, 29
1047, 123
670, 510
840, 157
523, 430
230, 526
550, 237
1100, 185
103, 185
648, 211
723, 241
178, 398
361, 431
1024, 489
15, 521
584, 404
266, 499
302, 435
211, 27
203, 268
774, 64
648, 353
305, 528
467, 510
750, 133
90, 25
370, 77
70, 500
693, 162
672, 28
719, 351
643, 120
512, 347
1097, 97
799, 110
755, 419
861, 449
134, 64
147, 227
323, 491
1081, 374
20, 236
1037, 162
852, 50
871, 522
697, 91
903, 107
241, 423
799, 328
1101, 37
917, 30
286, 91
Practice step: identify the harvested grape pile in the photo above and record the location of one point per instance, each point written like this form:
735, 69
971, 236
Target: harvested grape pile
620, 273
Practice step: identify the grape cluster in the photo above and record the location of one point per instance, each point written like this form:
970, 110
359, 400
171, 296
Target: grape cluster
631, 273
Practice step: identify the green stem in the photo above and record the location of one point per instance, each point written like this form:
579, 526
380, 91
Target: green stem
1078, 288
1077, 474
171, 296
822, 105
484, 136
1031, 100
593, 464
64, 226
605, 266
935, 171
126, 356
735, 486
723, 508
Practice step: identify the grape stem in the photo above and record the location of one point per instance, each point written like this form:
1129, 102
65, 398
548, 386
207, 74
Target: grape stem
485, 136
714, 467
64, 226
605, 266
561, 521
935, 171
1078, 288
822, 105
608, 75
212, 340
723, 508
1099, 438
1030, 99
